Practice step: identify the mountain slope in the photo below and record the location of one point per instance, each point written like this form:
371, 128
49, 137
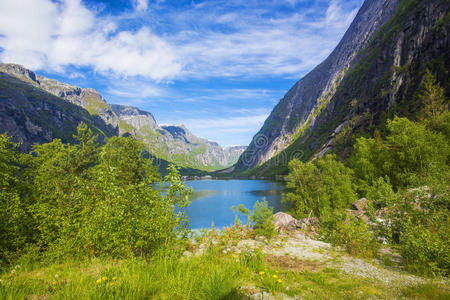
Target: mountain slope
175, 142
167, 144
373, 72
31, 115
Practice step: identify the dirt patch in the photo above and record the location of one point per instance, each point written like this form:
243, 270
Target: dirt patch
293, 264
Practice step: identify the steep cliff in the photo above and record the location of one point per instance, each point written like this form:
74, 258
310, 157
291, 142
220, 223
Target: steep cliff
31, 115
372, 74
87, 98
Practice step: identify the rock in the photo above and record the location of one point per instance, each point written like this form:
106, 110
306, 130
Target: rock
312, 223
360, 211
299, 107
285, 222
187, 254
361, 204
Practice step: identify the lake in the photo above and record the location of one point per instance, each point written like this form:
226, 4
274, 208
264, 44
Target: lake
212, 200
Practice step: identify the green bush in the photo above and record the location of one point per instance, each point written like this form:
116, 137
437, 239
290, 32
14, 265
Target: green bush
420, 225
320, 186
408, 156
353, 234
425, 247
263, 220
381, 194
87, 199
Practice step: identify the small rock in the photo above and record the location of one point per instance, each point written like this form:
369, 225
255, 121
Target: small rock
361, 204
187, 253
285, 222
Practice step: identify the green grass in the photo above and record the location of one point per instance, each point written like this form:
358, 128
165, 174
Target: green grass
213, 275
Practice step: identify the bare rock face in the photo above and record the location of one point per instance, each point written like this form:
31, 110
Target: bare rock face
284, 222
299, 106
374, 71
31, 115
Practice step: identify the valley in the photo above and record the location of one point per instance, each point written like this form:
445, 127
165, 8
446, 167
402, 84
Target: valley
341, 193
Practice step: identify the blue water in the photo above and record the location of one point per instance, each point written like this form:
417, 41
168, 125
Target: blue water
212, 200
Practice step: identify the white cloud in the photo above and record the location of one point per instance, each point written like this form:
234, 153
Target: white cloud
288, 45
140, 5
43, 34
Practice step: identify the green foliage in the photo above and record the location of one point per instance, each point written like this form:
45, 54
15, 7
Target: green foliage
15, 223
432, 97
381, 193
420, 224
87, 200
263, 220
320, 186
407, 156
352, 233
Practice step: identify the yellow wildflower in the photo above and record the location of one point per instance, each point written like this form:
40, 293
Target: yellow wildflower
275, 276
99, 280
276, 271
104, 278
112, 283
261, 273
114, 278
54, 282
280, 281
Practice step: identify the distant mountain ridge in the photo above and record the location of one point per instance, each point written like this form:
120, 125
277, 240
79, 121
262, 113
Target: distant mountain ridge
373, 73
175, 142
169, 143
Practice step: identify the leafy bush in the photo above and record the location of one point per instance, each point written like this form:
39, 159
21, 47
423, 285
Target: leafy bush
263, 220
381, 193
87, 199
425, 247
352, 233
407, 156
420, 225
320, 187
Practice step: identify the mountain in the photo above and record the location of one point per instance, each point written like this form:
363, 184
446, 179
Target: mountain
35, 109
175, 142
373, 73
32, 115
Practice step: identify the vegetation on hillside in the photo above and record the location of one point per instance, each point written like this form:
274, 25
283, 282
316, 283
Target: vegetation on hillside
403, 173
83, 220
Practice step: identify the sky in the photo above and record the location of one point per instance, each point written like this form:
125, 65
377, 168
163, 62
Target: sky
217, 66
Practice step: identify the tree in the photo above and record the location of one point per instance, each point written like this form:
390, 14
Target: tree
432, 97
319, 186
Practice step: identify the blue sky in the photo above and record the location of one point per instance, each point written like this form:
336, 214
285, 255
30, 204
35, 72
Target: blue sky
219, 67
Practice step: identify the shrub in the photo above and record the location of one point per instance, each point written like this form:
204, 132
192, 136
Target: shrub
408, 156
351, 233
381, 193
420, 225
263, 220
319, 187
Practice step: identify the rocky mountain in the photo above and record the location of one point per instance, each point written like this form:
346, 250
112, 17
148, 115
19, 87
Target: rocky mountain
32, 115
373, 73
87, 98
175, 142
35, 109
